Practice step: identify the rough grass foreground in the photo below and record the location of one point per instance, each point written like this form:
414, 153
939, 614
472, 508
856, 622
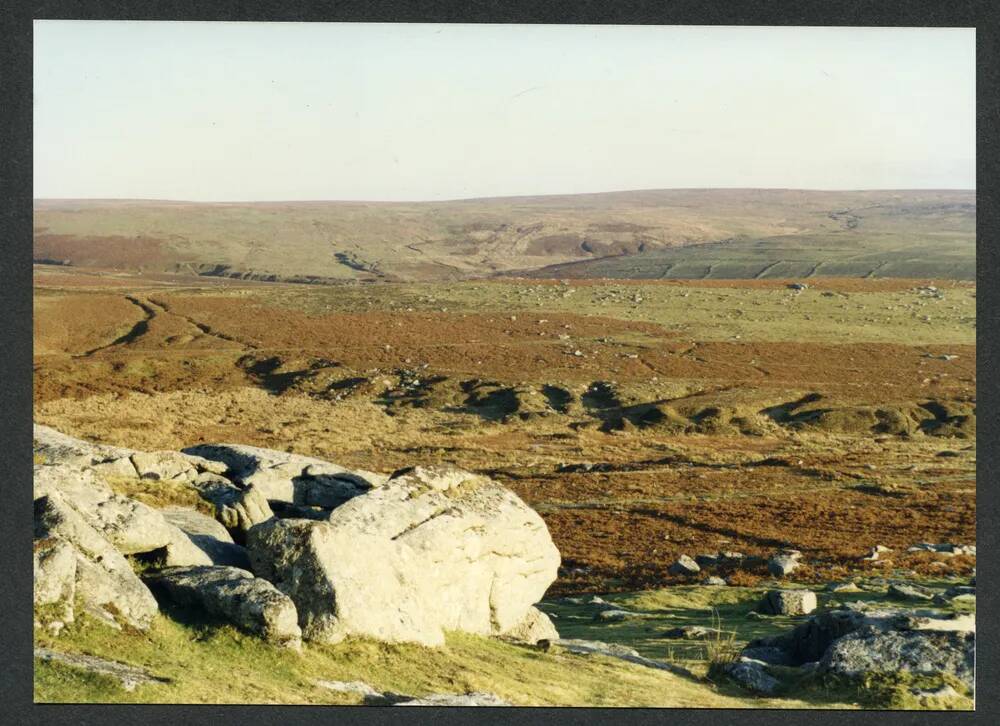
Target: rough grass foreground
194, 655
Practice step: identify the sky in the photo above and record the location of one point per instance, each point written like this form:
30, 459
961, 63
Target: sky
338, 111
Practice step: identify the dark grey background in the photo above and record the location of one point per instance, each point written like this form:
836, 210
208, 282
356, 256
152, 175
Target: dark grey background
15, 312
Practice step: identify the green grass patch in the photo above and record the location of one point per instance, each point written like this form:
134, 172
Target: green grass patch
210, 662
158, 493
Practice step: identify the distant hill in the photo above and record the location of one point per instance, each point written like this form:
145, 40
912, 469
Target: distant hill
719, 233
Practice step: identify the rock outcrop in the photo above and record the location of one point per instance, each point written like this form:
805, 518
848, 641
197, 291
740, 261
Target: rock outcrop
208, 536
340, 553
871, 649
103, 580
477, 698
249, 602
55, 447
784, 563
431, 550
859, 641
238, 509
130, 526
289, 477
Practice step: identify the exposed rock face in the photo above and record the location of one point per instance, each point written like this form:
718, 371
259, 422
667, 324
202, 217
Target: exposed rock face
359, 688
945, 548
58, 448
788, 602
289, 477
535, 626
163, 465
104, 580
432, 550
404, 559
250, 602
238, 509
623, 652
129, 525
55, 575
208, 536
195, 523
871, 649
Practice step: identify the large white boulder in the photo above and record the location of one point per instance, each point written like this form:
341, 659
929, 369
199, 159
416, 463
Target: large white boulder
432, 550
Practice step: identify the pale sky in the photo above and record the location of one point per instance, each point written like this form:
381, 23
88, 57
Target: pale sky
285, 111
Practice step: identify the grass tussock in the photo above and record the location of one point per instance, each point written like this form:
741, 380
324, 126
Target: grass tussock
722, 648
158, 494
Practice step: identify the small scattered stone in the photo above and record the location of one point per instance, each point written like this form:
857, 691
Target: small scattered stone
788, 602
684, 566
690, 632
615, 615
753, 677
781, 565
910, 592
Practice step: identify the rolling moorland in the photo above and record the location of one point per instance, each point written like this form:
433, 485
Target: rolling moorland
643, 419
651, 234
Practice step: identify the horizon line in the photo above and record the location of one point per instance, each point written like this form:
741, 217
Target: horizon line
498, 197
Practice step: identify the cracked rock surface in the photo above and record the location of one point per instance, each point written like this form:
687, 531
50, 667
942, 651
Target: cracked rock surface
432, 550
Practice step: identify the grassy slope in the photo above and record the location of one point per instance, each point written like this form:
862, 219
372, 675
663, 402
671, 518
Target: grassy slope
191, 653
478, 237
726, 609
209, 663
